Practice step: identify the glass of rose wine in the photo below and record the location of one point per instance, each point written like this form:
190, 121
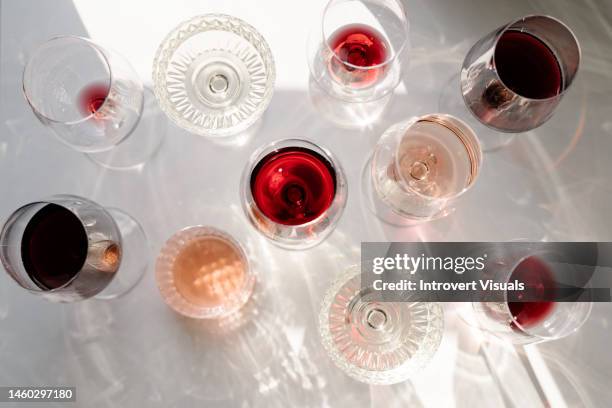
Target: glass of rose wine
204, 273
68, 248
355, 52
91, 98
533, 315
420, 167
377, 342
294, 192
513, 79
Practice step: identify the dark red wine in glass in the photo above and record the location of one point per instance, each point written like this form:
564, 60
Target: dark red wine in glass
293, 185
536, 275
53, 247
356, 48
92, 97
527, 66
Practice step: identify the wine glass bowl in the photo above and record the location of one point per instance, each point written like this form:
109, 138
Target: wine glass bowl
69, 248
89, 96
513, 79
377, 342
214, 75
422, 165
293, 192
355, 52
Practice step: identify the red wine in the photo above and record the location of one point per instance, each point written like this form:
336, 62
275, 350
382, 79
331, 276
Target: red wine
53, 247
293, 185
527, 66
535, 274
92, 97
360, 46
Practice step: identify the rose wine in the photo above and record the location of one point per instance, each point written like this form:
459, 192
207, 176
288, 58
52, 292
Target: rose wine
54, 246
92, 97
434, 160
527, 66
536, 275
356, 48
208, 270
293, 185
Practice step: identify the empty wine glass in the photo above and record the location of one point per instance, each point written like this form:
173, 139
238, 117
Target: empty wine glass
214, 75
377, 342
68, 248
421, 166
513, 79
535, 314
203, 272
294, 192
355, 52
89, 96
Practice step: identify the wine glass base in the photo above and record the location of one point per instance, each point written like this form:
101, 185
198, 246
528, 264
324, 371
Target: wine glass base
142, 144
349, 115
135, 256
381, 210
451, 102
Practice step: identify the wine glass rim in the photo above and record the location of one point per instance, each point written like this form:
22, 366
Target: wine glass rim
508, 26
526, 329
261, 152
163, 267
475, 162
47, 201
39, 48
388, 60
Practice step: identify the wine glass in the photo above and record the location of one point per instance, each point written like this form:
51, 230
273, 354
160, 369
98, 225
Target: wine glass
355, 52
90, 97
513, 79
420, 167
203, 272
214, 75
293, 192
542, 311
68, 248
377, 342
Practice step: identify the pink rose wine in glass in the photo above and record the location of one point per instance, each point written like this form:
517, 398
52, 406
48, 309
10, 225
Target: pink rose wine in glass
203, 273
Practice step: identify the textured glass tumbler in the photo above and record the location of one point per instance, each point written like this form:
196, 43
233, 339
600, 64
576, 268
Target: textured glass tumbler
68, 248
89, 96
422, 165
355, 50
204, 273
377, 342
513, 79
294, 193
214, 75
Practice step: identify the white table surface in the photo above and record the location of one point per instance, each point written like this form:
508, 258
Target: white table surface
550, 184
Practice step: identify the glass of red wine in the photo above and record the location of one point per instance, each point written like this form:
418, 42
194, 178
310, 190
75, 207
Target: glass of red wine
294, 192
91, 98
355, 52
533, 315
68, 248
513, 79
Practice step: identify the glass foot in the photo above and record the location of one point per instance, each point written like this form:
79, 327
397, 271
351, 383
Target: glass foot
451, 102
346, 114
142, 144
381, 210
135, 256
